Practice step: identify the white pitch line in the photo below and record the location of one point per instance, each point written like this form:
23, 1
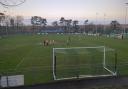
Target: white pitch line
19, 63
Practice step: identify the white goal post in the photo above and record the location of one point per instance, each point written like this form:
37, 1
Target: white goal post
64, 64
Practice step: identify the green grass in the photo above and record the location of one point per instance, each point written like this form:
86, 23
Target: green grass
25, 54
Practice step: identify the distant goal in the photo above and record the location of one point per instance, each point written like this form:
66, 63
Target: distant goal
82, 62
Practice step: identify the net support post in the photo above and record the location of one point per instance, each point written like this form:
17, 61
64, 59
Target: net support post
115, 63
53, 65
104, 57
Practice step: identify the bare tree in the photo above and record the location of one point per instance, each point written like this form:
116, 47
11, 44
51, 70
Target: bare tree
12, 25
44, 22
75, 25
91, 28
62, 20
38, 21
55, 23
115, 26
7, 23
68, 25
62, 23
35, 21
12, 22
85, 25
2, 18
65, 24
19, 23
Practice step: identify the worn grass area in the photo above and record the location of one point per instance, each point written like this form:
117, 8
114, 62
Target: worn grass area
25, 54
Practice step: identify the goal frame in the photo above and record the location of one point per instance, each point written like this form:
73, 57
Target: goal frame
85, 76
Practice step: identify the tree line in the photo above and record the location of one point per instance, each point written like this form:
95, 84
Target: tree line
73, 26
15, 25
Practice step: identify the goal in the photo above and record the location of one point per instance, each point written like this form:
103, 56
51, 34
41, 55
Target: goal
82, 62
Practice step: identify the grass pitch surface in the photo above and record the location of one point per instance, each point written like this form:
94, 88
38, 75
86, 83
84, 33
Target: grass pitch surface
25, 54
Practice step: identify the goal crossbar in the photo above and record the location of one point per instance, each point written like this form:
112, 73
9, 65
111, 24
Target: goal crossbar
79, 47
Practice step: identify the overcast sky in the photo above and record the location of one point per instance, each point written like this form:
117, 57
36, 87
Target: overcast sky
75, 9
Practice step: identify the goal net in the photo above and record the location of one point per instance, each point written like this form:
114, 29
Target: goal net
81, 62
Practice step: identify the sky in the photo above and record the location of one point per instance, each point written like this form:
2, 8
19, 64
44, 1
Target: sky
99, 11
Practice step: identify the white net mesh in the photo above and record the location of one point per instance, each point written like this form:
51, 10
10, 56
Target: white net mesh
82, 61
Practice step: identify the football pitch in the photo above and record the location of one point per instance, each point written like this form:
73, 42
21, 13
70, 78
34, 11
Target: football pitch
26, 54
